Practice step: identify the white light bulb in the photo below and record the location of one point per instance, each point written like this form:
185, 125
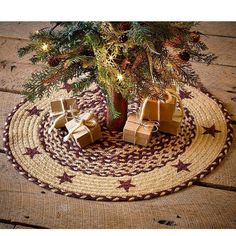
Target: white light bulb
120, 77
45, 47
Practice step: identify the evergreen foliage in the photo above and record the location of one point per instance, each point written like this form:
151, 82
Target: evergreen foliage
132, 58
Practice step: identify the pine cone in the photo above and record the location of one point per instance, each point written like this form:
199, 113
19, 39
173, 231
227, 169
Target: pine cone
123, 38
125, 63
184, 56
139, 59
124, 26
195, 35
54, 60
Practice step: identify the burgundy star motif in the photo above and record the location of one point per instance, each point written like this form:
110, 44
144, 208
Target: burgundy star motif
185, 94
211, 130
126, 185
65, 178
67, 87
34, 111
182, 166
32, 152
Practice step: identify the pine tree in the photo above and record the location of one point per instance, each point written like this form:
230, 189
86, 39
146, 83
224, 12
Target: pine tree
132, 58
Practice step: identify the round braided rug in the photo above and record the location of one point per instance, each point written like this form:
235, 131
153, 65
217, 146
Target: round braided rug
111, 169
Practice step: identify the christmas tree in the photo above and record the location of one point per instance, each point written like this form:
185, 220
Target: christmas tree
133, 59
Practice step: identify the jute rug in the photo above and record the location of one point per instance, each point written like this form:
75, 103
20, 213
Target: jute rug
111, 169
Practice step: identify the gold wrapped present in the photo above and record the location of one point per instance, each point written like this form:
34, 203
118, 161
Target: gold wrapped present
159, 110
62, 111
136, 131
172, 127
84, 129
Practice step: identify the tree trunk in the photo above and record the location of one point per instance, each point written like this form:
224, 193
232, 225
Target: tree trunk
121, 106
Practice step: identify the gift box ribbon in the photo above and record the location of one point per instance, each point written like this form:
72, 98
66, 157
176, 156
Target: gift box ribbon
145, 125
62, 114
170, 95
85, 120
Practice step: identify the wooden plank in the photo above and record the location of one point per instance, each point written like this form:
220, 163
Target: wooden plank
22, 227
224, 48
8, 101
13, 75
9, 48
13, 226
6, 226
20, 29
218, 28
194, 207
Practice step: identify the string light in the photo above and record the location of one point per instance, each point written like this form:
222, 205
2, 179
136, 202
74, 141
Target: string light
45, 47
120, 77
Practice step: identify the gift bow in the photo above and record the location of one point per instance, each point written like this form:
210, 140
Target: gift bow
62, 114
170, 95
145, 125
87, 120
141, 115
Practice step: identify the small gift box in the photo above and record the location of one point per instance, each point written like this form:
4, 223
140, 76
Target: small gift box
136, 131
62, 111
172, 127
84, 129
159, 110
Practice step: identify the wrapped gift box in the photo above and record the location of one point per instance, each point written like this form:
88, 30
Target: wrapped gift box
167, 109
84, 135
135, 133
172, 127
65, 110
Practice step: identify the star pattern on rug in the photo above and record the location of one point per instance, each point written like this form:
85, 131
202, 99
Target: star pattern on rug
34, 111
211, 130
65, 178
32, 152
185, 94
126, 185
182, 166
67, 87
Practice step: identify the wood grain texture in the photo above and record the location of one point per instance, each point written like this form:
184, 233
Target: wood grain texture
13, 226
9, 48
7, 103
20, 29
6, 226
218, 28
13, 75
195, 207
223, 48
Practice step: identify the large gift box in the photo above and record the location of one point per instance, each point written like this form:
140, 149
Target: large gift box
172, 127
84, 129
62, 111
136, 131
159, 110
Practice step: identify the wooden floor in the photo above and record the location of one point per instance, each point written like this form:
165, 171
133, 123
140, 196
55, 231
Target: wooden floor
210, 203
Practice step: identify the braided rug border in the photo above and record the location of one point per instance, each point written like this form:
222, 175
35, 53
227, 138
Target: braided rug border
187, 183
